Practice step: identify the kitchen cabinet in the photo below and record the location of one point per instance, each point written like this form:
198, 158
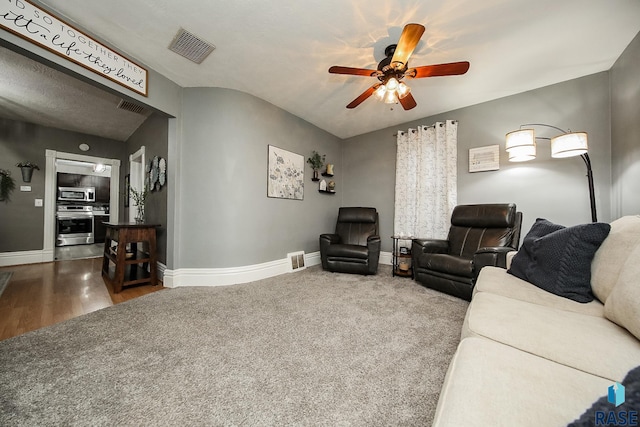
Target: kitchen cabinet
103, 187
99, 229
102, 184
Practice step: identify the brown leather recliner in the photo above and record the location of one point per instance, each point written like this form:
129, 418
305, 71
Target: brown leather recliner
480, 235
355, 245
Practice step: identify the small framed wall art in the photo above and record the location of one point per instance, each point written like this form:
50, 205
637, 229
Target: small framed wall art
484, 158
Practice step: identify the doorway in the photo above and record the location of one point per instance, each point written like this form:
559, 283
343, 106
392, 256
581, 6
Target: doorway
56, 161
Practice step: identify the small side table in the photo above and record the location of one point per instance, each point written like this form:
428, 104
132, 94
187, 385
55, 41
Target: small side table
129, 269
400, 257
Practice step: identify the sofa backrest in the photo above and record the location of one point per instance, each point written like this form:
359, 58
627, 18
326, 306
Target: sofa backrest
477, 226
612, 255
623, 303
356, 225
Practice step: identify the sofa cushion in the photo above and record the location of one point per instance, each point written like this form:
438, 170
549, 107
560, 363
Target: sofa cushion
623, 304
576, 340
495, 280
631, 403
558, 259
491, 384
614, 251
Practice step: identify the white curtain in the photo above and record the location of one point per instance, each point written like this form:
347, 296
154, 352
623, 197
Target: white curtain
426, 180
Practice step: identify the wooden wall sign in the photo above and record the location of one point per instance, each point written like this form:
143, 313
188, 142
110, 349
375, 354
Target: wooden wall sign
26, 20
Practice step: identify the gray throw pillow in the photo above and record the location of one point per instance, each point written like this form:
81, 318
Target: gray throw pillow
558, 259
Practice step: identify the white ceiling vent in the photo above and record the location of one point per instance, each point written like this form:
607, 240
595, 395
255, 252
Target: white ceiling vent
191, 46
130, 106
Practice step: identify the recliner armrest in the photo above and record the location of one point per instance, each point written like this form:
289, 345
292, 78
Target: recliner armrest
427, 246
373, 243
434, 246
329, 238
495, 256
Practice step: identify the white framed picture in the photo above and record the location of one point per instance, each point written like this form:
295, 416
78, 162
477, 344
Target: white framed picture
285, 174
484, 158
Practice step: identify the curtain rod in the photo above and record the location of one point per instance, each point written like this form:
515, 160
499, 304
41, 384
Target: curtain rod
430, 126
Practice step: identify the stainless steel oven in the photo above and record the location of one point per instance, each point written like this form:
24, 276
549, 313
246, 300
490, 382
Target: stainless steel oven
74, 225
76, 194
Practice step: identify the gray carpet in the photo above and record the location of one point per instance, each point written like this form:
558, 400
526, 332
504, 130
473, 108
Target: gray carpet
4, 280
306, 348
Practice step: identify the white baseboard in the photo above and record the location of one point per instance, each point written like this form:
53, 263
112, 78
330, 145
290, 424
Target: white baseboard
385, 258
193, 276
161, 269
231, 275
25, 257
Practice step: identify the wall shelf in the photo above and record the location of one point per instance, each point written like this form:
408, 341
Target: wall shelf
327, 191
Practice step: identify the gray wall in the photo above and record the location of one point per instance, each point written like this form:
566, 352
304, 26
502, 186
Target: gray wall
227, 218
153, 135
625, 131
21, 223
555, 189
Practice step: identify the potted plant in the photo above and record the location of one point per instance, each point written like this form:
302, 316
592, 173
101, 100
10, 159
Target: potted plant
27, 170
7, 185
139, 199
316, 161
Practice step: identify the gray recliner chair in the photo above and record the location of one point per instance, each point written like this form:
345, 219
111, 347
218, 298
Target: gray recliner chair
355, 245
480, 235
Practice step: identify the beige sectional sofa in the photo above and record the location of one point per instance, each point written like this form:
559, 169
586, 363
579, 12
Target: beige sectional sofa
530, 358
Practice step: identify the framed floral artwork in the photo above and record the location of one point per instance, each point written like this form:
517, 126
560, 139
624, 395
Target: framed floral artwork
285, 174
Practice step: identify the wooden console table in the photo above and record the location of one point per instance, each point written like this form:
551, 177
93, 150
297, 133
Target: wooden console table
129, 268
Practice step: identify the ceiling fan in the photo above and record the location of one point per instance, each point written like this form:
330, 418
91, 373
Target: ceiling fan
392, 69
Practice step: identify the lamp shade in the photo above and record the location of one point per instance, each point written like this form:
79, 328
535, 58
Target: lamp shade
569, 144
521, 145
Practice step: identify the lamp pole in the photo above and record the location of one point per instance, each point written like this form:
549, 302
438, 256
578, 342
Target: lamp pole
592, 197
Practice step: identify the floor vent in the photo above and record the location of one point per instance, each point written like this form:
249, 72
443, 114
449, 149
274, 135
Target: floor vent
191, 46
130, 106
296, 261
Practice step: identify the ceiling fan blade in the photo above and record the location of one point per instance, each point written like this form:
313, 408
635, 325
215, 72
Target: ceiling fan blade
353, 71
408, 41
450, 69
408, 102
366, 94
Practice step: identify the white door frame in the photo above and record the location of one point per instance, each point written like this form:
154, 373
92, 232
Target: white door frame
137, 163
50, 194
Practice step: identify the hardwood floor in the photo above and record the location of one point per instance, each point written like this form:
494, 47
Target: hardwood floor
39, 295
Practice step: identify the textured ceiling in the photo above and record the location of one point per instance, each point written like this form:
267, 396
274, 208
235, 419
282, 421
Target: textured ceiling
35, 93
280, 51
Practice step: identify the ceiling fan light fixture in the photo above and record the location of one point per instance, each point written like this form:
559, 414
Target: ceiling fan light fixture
392, 84
394, 67
391, 97
380, 92
403, 90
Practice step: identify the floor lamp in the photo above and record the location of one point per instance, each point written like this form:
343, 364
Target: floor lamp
521, 146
